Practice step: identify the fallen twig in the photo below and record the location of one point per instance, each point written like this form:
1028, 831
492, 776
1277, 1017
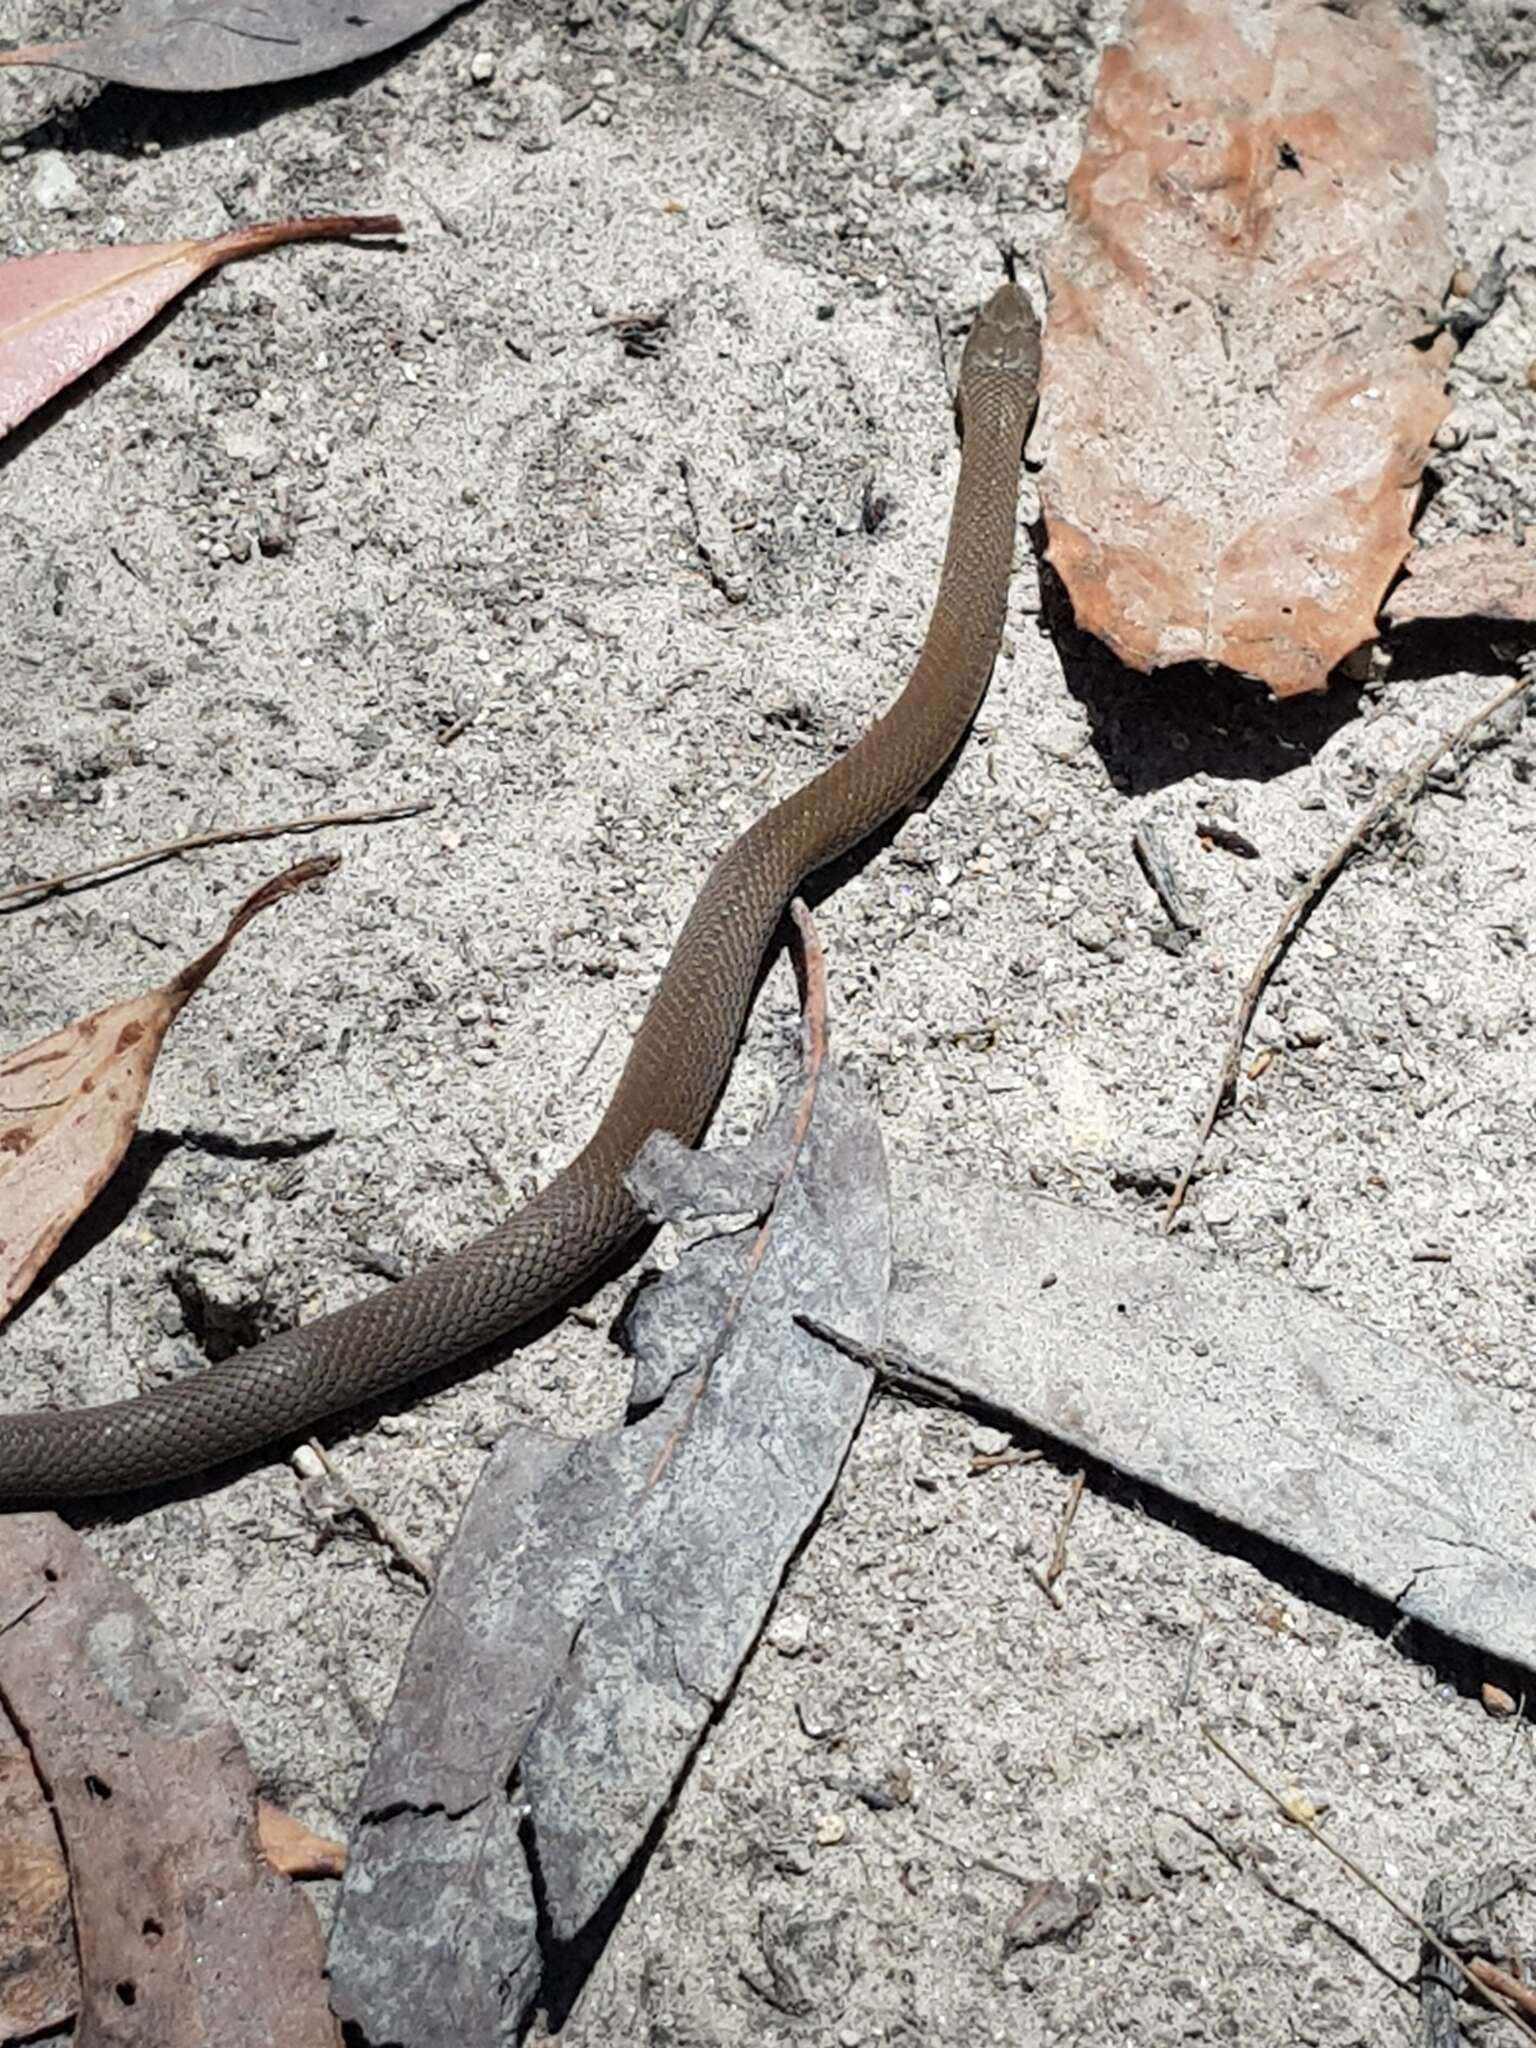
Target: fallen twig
377, 1527
1492, 1978
904, 1379
22, 893
976, 1856
1151, 850
1298, 1818
1046, 1580
755, 49
1401, 788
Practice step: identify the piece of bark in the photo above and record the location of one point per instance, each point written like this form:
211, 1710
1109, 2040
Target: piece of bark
1233, 416
39, 1977
573, 1566
1484, 576
1230, 1389
186, 1933
683, 1601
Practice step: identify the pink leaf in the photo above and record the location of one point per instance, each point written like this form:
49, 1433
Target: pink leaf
61, 313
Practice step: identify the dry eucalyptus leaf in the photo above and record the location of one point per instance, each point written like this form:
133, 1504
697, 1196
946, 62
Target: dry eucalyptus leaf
217, 45
70, 1103
187, 1936
1482, 577
294, 1849
39, 1979
62, 312
1234, 415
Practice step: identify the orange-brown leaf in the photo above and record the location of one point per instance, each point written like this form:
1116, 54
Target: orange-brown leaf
294, 1849
61, 313
70, 1103
1234, 417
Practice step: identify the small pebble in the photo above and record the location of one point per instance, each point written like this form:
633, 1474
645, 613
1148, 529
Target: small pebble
55, 188
1496, 1701
1308, 1026
790, 1633
830, 1830
482, 67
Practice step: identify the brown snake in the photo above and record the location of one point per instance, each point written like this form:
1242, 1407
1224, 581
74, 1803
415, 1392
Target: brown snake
677, 1065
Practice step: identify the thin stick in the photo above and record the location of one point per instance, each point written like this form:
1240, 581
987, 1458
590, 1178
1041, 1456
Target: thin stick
1424, 1933
1439, 1993
888, 1371
125, 863
755, 49
966, 1855
1491, 1978
1046, 1580
374, 1523
1402, 788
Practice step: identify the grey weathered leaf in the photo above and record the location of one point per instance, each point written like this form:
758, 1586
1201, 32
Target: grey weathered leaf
217, 45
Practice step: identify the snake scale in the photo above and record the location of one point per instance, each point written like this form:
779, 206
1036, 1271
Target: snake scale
678, 1062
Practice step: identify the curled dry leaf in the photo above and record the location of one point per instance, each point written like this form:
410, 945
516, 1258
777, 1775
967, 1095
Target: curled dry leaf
1234, 415
61, 313
216, 45
1483, 577
70, 1103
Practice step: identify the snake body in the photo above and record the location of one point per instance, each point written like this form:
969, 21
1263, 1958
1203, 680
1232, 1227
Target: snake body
678, 1062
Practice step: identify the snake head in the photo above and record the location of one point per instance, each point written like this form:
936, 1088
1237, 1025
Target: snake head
1002, 357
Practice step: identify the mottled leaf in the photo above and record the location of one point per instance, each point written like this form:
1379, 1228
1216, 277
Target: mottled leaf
39, 1978
1234, 415
216, 45
188, 1937
70, 1103
61, 313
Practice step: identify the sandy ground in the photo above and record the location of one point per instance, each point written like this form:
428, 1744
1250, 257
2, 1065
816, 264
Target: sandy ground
344, 499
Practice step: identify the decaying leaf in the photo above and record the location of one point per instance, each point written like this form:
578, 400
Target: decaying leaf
216, 45
187, 1935
39, 1978
1482, 577
69, 1104
1234, 416
61, 313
